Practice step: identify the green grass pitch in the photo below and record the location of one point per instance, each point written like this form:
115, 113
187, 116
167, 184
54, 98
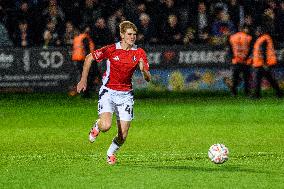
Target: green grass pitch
44, 143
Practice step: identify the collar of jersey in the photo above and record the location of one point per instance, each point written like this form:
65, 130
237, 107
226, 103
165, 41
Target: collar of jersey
118, 46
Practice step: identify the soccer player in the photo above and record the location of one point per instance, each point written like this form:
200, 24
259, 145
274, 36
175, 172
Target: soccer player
116, 93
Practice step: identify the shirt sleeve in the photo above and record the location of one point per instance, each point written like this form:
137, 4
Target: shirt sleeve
101, 54
145, 60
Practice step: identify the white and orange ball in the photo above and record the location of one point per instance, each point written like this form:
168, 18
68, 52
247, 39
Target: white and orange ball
218, 153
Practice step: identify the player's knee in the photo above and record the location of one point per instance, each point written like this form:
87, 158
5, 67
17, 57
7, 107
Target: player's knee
105, 125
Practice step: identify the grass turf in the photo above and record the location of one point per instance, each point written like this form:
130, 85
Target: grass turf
43, 143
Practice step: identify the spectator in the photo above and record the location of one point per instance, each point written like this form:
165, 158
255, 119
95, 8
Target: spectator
236, 12
130, 11
222, 27
167, 8
203, 19
51, 36
55, 14
3, 14
141, 8
269, 21
72, 11
24, 12
33, 15
69, 34
146, 32
4, 17
113, 22
23, 36
91, 12
186, 10
218, 6
27, 12
31, 3
153, 9
192, 37
249, 22
172, 33
54, 7
189, 36
198, 31
272, 5
101, 34
4, 37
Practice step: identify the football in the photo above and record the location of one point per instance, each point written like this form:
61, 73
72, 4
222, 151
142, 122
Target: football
218, 153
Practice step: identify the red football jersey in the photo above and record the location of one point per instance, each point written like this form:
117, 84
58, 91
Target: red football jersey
121, 65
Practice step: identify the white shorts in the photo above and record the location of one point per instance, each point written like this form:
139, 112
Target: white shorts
120, 102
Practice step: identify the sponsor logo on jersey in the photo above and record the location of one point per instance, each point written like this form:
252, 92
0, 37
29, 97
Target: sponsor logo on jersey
116, 58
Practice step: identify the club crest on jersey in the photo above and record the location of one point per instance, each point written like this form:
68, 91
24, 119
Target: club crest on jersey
116, 58
134, 58
98, 54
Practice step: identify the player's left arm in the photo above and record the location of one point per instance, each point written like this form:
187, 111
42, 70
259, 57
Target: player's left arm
146, 74
144, 66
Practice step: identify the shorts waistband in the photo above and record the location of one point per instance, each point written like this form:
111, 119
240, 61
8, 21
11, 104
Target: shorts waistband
116, 91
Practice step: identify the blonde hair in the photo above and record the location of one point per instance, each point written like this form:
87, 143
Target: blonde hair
123, 26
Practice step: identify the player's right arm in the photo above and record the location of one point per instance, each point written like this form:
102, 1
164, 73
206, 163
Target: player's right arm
97, 55
82, 85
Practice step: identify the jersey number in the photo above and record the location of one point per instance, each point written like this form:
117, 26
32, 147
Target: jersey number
128, 109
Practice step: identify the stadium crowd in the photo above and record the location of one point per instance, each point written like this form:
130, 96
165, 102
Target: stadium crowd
26, 23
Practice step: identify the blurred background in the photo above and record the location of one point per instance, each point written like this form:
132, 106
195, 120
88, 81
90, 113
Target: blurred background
185, 40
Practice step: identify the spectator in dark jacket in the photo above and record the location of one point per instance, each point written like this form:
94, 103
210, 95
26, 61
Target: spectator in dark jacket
172, 33
23, 36
91, 12
4, 37
101, 34
146, 31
